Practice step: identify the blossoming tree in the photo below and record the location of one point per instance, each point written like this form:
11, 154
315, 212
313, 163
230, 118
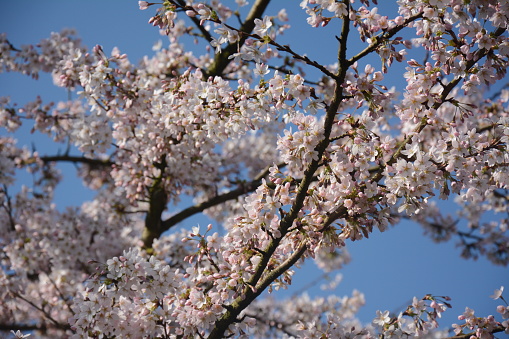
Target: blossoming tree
292, 167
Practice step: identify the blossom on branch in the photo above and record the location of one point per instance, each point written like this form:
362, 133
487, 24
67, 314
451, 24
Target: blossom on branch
290, 158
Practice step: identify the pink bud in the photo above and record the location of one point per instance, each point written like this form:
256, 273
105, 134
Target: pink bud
143, 5
348, 203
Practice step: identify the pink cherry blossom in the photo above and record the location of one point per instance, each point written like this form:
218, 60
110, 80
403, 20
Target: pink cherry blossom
290, 158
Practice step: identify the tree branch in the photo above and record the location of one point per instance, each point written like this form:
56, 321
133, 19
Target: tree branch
221, 60
478, 55
379, 39
77, 159
206, 34
8, 207
46, 314
497, 329
158, 198
303, 58
219, 199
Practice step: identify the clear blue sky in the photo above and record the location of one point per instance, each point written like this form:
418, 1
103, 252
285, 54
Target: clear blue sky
388, 268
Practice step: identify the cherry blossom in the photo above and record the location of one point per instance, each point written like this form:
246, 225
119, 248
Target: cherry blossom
289, 165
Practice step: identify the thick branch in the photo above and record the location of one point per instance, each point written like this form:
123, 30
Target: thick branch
198, 208
221, 60
278, 271
219, 199
7, 205
153, 223
77, 159
243, 301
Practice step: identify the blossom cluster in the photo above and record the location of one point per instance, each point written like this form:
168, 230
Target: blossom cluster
292, 167
127, 298
484, 327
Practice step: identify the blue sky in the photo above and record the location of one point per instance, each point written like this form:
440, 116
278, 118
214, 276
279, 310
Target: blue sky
389, 268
